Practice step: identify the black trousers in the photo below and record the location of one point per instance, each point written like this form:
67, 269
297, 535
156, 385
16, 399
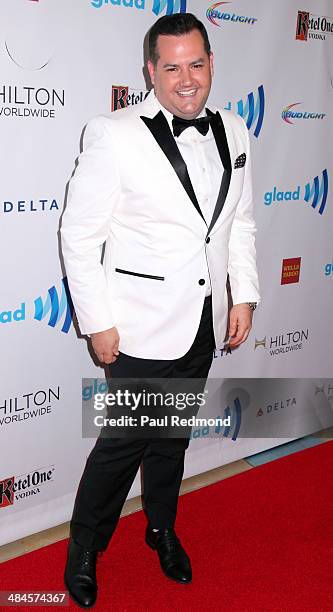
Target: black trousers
113, 463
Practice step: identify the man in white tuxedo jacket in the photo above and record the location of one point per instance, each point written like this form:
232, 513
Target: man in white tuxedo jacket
166, 185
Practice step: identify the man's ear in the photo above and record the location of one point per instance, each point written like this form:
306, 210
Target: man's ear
151, 70
211, 61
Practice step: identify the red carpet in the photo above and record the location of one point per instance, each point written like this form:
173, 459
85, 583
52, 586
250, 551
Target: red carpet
261, 541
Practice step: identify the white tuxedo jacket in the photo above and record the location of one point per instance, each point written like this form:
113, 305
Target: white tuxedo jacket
131, 189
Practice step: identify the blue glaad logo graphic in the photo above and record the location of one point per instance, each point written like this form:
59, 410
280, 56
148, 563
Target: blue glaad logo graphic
56, 306
169, 6
235, 414
315, 193
96, 385
328, 269
138, 4
252, 109
234, 417
213, 13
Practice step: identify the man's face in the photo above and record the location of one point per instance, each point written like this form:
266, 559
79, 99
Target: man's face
182, 76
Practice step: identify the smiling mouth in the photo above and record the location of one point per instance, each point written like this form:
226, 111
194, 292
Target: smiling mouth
187, 94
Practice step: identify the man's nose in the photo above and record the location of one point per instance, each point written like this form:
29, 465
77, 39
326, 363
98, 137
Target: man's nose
185, 77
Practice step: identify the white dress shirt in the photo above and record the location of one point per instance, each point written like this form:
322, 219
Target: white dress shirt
204, 166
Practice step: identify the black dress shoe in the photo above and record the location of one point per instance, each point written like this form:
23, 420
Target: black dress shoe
80, 574
173, 559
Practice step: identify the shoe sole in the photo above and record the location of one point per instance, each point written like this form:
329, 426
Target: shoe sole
153, 547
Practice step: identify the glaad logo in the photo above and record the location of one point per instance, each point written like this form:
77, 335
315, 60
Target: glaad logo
138, 4
328, 269
234, 416
56, 307
170, 6
28, 406
123, 96
26, 485
18, 101
283, 343
314, 193
252, 110
213, 13
317, 192
159, 6
53, 304
288, 114
99, 385
308, 26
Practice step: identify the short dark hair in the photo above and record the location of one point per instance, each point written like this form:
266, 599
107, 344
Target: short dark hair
175, 25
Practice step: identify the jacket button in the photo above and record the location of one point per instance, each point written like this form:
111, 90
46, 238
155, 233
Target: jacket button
202, 281
207, 239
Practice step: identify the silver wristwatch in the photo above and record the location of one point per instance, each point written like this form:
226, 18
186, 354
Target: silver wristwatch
253, 305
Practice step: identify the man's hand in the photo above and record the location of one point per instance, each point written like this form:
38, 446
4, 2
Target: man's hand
105, 345
240, 323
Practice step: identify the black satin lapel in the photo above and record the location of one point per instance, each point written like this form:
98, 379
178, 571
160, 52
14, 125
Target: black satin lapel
159, 128
223, 149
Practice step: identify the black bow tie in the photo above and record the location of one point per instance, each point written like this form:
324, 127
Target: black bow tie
179, 125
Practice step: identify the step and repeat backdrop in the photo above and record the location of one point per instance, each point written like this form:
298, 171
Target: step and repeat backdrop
63, 62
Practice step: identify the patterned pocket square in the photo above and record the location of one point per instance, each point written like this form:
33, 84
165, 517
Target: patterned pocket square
240, 161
